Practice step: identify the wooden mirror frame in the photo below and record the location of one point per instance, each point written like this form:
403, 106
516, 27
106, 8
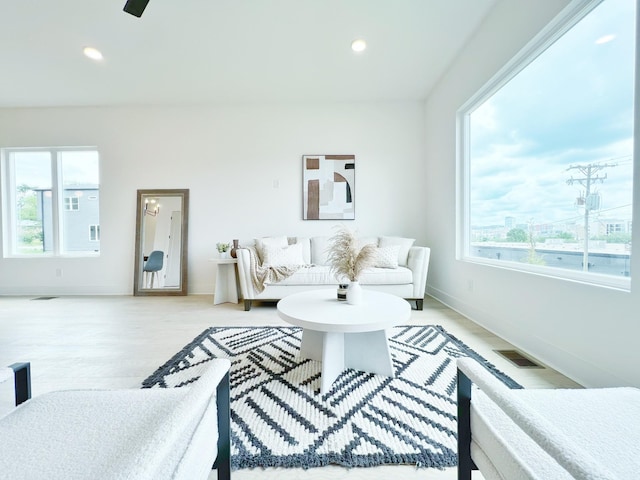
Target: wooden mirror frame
138, 274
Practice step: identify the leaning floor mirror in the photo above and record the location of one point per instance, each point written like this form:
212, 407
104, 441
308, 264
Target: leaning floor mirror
161, 242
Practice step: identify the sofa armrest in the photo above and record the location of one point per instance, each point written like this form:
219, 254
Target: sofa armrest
244, 274
418, 263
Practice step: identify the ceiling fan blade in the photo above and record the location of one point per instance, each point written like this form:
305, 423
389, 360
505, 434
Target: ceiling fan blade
135, 7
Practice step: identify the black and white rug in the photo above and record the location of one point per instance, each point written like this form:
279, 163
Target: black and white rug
279, 417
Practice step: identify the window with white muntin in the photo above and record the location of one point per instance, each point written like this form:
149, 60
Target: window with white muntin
42, 193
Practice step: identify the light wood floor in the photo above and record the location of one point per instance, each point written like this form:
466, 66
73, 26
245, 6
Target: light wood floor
116, 342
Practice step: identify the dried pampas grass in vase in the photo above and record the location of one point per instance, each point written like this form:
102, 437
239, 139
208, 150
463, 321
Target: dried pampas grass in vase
347, 260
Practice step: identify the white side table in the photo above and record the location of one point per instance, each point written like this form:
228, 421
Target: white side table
226, 281
345, 336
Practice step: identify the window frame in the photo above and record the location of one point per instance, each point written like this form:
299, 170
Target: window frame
8, 199
573, 14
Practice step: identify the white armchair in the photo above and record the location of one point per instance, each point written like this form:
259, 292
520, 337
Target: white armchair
174, 433
541, 434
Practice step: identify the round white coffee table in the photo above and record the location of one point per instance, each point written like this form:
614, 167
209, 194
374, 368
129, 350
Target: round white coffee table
345, 336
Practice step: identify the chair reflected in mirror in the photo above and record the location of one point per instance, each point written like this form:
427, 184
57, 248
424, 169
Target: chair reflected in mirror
152, 266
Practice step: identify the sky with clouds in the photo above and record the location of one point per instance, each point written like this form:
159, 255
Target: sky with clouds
33, 168
573, 105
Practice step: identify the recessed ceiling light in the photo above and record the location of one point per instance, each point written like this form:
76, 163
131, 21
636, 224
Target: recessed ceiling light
92, 53
605, 39
358, 45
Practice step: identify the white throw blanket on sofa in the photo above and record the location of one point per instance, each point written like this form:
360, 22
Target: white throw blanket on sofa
262, 275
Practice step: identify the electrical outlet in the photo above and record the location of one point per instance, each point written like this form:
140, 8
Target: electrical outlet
470, 285
276, 184
59, 272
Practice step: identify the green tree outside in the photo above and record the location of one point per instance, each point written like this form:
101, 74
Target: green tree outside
517, 235
31, 234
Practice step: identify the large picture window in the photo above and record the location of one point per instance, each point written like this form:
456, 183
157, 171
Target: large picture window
50, 201
547, 152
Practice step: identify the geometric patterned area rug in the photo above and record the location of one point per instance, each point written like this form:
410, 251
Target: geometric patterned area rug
279, 418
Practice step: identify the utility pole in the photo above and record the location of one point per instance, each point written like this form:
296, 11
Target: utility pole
590, 176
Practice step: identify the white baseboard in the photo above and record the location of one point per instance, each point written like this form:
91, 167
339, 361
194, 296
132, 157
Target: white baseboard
581, 370
40, 291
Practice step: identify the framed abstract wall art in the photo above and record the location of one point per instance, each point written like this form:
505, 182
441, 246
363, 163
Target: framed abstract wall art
329, 187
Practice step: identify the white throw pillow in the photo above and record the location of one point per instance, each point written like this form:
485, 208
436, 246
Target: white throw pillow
306, 248
263, 242
362, 241
404, 243
319, 246
283, 257
387, 257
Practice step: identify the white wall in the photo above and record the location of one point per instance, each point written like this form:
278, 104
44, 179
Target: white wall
589, 333
243, 166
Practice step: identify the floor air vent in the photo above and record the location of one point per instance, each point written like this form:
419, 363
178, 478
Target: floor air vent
43, 298
518, 359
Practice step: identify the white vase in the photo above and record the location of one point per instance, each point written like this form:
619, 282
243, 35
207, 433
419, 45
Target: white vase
354, 293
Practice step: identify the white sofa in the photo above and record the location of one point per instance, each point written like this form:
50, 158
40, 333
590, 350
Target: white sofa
543, 434
401, 270
135, 434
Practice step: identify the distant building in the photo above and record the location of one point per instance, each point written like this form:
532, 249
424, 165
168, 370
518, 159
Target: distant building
509, 222
488, 232
544, 229
80, 218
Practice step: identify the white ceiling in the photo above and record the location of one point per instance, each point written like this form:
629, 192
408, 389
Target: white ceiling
222, 51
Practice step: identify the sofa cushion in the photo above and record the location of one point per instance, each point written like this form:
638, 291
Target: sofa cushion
78, 434
387, 257
261, 243
279, 257
321, 275
386, 276
313, 275
404, 243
